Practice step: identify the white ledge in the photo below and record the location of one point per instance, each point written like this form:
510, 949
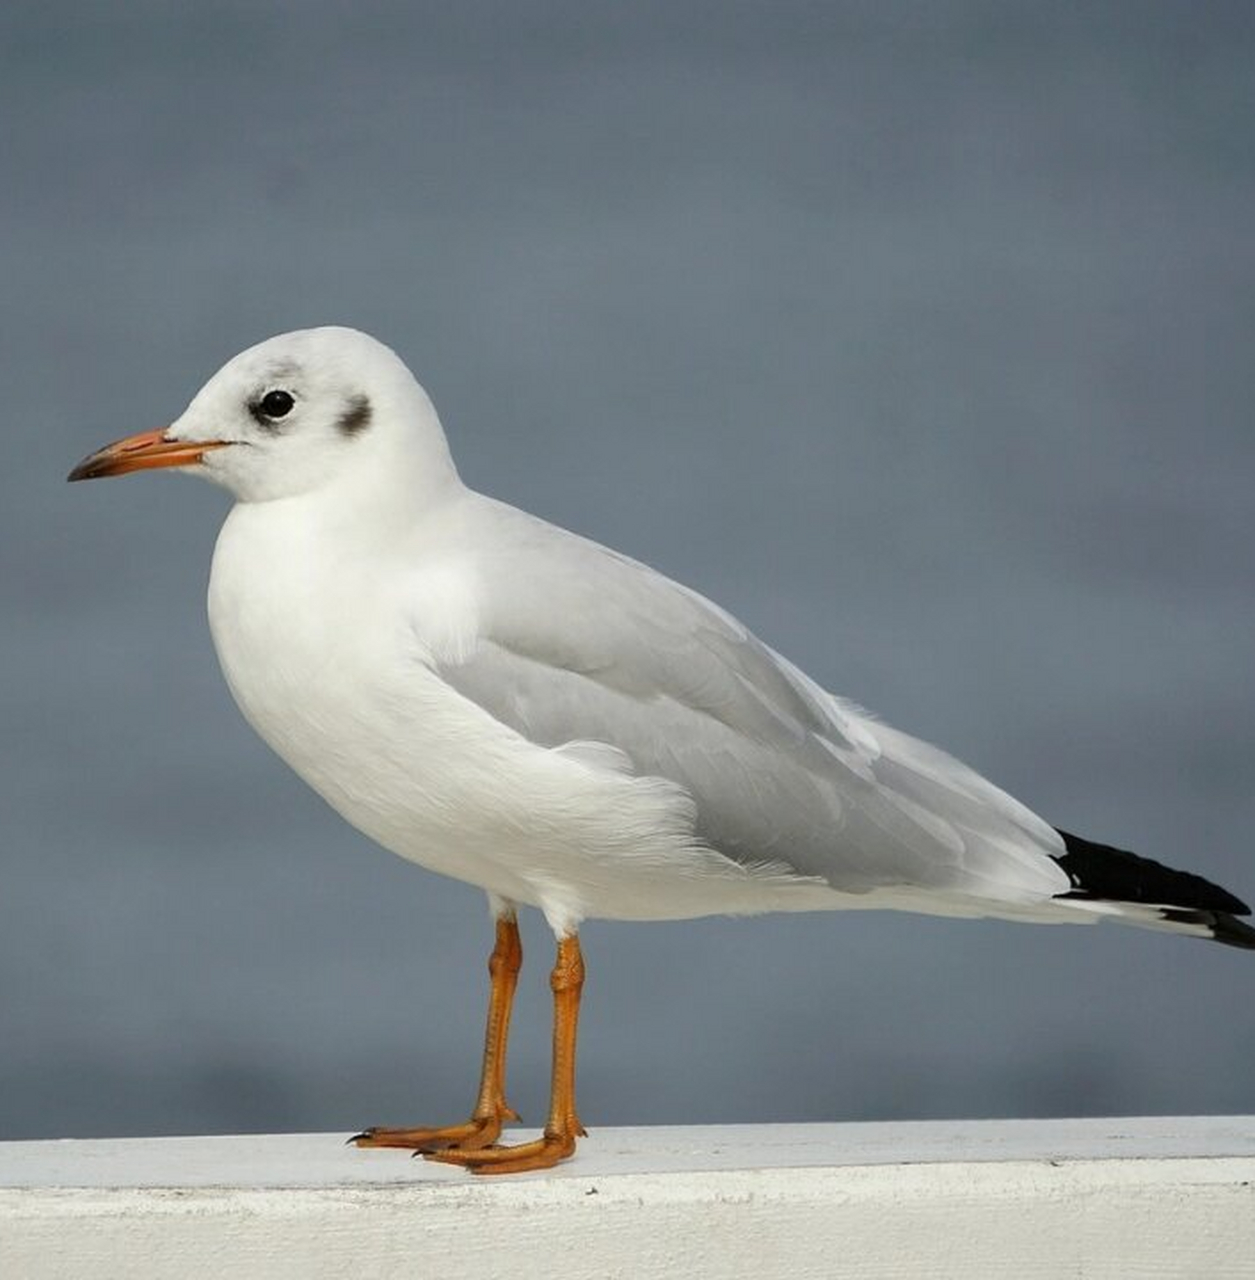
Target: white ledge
975, 1199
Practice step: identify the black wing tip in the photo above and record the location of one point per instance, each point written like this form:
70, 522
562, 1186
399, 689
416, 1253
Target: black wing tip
1116, 875
1223, 927
1232, 932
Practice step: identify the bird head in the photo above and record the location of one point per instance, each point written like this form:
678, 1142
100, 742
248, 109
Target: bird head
295, 413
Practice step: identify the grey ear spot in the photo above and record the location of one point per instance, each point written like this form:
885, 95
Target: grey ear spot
356, 416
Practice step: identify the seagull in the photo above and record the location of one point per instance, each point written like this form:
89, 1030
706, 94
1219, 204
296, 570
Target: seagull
505, 702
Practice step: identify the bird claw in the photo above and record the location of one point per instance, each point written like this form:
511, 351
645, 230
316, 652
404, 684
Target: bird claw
476, 1134
522, 1157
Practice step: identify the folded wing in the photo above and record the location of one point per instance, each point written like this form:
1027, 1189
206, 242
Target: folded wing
587, 651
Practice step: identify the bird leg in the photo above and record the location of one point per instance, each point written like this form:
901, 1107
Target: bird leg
491, 1108
563, 1125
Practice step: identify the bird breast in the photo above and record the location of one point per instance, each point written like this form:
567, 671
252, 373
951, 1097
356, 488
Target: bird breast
331, 661
319, 655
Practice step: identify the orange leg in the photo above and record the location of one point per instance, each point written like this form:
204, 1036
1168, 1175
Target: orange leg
491, 1108
563, 1125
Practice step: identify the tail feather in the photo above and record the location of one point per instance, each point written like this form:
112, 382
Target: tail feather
1099, 872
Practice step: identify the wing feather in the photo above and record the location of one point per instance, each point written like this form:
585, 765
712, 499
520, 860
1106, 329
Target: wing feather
587, 651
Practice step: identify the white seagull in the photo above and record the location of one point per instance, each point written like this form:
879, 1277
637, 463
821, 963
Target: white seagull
505, 702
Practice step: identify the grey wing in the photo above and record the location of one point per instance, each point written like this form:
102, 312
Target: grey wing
579, 645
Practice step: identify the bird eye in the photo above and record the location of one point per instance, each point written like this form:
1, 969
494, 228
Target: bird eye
276, 404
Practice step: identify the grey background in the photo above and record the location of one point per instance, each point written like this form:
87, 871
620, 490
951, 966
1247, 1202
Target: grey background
918, 335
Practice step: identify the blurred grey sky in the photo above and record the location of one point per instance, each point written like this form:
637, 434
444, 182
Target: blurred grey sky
918, 335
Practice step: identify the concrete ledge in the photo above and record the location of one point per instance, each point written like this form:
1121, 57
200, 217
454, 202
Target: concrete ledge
1170, 1197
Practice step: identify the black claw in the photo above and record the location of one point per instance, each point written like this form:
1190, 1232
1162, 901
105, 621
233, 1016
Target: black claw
357, 1137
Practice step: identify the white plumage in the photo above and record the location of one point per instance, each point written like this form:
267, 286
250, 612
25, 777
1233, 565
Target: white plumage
429, 660
502, 701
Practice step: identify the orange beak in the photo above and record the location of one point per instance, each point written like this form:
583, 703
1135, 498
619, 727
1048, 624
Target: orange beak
142, 452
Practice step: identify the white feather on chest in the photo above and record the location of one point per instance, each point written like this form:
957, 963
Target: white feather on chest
328, 668
331, 666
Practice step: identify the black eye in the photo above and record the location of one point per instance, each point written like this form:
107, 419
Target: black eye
276, 404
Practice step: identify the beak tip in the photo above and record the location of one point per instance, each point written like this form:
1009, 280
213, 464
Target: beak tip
142, 452
88, 469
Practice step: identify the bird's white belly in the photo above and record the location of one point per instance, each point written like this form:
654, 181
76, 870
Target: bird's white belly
331, 678
364, 723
